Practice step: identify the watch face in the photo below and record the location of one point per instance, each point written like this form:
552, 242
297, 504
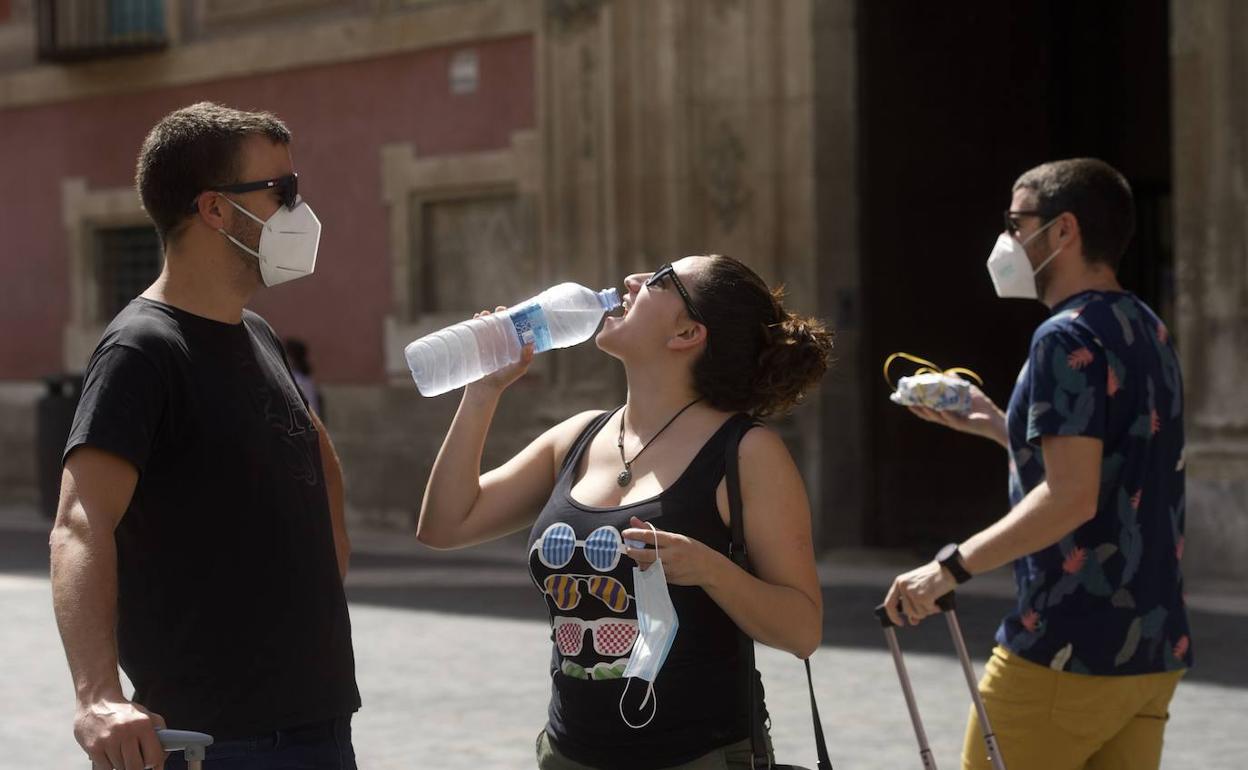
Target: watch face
945, 553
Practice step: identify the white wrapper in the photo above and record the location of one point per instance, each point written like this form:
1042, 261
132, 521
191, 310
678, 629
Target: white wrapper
942, 392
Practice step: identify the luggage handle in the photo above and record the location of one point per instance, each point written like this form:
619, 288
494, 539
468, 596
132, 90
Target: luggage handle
947, 604
191, 744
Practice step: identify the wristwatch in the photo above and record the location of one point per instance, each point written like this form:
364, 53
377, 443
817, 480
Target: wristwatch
950, 558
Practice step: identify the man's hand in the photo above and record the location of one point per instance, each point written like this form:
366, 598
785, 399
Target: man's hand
916, 592
118, 734
984, 419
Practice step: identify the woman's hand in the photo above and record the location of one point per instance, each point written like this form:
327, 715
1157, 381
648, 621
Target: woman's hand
496, 382
686, 562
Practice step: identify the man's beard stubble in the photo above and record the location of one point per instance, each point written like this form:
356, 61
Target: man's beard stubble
247, 232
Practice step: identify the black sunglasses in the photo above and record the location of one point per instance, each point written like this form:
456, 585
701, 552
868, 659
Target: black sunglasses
287, 189
1012, 225
667, 271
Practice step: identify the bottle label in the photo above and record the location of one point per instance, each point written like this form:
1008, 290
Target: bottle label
531, 327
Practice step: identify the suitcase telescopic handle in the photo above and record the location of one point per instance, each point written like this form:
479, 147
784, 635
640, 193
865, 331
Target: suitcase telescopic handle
903, 677
191, 744
945, 603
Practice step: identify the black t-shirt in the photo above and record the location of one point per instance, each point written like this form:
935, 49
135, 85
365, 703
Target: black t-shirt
231, 613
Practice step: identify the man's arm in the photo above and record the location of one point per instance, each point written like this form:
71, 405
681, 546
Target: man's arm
1064, 501
96, 489
332, 469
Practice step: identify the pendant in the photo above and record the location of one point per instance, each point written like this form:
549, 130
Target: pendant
624, 478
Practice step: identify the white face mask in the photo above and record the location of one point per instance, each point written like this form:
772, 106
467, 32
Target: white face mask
288, 242
1010, 269
656, 630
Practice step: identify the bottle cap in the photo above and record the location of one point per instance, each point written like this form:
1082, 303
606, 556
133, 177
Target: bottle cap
609, 299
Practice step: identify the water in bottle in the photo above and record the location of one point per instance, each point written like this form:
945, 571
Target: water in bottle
559, 317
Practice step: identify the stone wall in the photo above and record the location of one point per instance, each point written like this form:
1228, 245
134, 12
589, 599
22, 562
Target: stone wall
842, 419
388, 436
683, 128
18, 481
664, 129
1210, 111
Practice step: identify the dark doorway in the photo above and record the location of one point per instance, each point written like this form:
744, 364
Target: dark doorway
958, 99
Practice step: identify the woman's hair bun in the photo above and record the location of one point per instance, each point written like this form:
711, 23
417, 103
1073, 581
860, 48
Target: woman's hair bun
759, 358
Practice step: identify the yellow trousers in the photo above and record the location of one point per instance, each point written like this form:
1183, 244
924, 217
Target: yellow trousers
1056, 720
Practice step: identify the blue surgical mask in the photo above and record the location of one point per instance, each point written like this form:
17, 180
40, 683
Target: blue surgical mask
656, 630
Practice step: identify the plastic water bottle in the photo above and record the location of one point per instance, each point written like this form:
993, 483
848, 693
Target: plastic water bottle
559, 317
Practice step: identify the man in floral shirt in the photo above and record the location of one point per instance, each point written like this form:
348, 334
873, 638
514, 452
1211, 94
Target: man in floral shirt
1087, 662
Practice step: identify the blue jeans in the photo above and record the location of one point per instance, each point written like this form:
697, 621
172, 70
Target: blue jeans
319, 746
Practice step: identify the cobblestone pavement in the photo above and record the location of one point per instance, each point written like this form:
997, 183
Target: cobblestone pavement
452, 651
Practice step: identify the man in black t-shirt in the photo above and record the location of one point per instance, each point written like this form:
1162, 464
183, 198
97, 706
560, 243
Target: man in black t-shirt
200, 540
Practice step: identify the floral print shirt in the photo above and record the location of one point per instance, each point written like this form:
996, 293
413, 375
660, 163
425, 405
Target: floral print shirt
1108, 598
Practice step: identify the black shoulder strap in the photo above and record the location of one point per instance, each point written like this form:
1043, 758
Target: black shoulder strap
739, 555
736, 548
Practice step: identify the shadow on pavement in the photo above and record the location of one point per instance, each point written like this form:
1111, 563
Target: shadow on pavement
848, 622
24, 552
1220, 639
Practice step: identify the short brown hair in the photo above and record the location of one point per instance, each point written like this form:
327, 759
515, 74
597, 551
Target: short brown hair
1096, 194
191, 150
759, 357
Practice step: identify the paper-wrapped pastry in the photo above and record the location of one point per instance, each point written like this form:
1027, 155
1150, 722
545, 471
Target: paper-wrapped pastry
943, 390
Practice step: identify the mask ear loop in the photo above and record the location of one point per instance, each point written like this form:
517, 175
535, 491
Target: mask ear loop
650, 696
1046, 262
1035, 235
234, 240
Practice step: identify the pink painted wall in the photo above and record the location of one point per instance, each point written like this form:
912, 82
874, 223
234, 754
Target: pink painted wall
340, 116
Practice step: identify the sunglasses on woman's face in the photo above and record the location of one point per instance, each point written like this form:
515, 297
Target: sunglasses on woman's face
667, 272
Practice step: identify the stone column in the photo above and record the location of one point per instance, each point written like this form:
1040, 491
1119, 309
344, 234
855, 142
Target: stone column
676, 128
838, 275
1209, 68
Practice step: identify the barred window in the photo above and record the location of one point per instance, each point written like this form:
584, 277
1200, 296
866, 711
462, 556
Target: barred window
472, 253
74, 30
127, 261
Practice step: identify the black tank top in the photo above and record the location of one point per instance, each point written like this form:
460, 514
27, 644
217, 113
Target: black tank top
700, 690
